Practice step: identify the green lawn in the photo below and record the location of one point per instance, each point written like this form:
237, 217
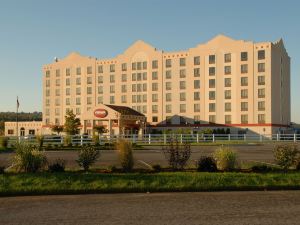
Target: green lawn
77, 182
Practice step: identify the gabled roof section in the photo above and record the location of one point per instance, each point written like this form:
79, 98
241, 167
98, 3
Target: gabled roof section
139, 44
124, 110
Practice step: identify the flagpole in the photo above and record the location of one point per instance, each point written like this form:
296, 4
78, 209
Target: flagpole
17, 118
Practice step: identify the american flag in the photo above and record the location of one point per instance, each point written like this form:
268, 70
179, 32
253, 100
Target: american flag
18, 104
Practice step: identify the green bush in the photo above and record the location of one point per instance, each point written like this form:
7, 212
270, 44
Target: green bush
156, 168
125, 155
226, 158
262, 168
286, 155
28, 158
3, 142
87, 156
206, 164
2, 169
57, 166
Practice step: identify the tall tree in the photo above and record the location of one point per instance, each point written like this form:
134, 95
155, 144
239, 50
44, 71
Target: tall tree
72, 123
57, 128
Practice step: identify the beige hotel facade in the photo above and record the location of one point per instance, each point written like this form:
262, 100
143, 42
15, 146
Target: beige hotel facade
222, 83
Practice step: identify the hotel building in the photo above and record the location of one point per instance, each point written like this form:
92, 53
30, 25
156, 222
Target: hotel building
222, 83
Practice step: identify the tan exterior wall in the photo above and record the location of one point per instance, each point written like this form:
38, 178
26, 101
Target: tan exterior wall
110, 84
25, 128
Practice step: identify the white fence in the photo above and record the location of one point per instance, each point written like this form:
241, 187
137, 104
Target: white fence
163, 138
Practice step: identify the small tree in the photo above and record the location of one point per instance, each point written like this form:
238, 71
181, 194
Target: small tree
87, 156
57, 129
125, 155
226, 158
72, 123
286, 155
100, 129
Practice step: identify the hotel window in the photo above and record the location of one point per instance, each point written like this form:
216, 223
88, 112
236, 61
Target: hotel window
182, 61
100, 100
89, 100
196, 84
138, 76
124, 88
57, 111
100, 69
182, 85
47, 73
227, 57
68, 91
78, 80
154, 97
47, 83
168, 120
78, 91
89, 70
212, 71
168, 85
89, 90
57, 120
68, 82
244, 119
168, 97
100, 90
197, 60
261, 80
57, 82
139, 98
144, 65
78, 101
196, 95
112, 99
197, 119
212, 83
154, 119
168, 63
227, 82
182, 73
100, 79
57, 92
244, 81
212, 107
261, 118
154, 109
68, 102
78, 71
78, 111
196, 72
112, 68
244, 68
227, 107
139, 65
144, 109
57, 102
227, 70
133, 77
47, 112
227, 119
154, 64
212, 119
212, 95
144, 97
212, 59
68, 72
261, 67
144, 86
261, 93
244, 93
182, 96
47, 102
124, 66
261, 54
168, 74
57, 73
244, 106
133, 66
47, 121
112, 78
244, 56
124, 99
145, 76
154, 86
227, 94
139, 87
168, 108
133, 98
182, 108
89, 80
261, 106
133, 87
124, 77
154, 76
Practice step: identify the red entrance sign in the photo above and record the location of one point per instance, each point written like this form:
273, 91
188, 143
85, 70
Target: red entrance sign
100, 113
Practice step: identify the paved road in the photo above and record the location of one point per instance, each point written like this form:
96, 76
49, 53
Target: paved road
232, 208
154, 155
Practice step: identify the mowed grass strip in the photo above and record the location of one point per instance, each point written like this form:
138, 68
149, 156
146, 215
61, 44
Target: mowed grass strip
80, 183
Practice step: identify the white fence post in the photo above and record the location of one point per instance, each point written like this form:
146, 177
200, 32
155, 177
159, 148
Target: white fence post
229, 138
295, 137
81, 140
197, 138
244, 137
213, 136
277, 137
181, 138
149, 140
61, 139
165, 138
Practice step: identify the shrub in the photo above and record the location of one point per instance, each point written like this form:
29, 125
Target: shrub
2, 169
226, 158
28, 158
125, 155
87, 156
177, 154
57, 166
156, 168
261, 168
40, 141
285, 155
112, 169
206, 164
3, 142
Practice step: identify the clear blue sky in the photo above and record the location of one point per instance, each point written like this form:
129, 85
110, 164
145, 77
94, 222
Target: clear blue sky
32, 33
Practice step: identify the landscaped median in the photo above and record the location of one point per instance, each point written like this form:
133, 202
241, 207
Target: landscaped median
79, 182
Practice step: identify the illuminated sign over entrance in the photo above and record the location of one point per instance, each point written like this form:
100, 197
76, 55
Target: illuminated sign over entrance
100, 113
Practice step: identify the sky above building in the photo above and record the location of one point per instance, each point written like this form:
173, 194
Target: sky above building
33, 32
